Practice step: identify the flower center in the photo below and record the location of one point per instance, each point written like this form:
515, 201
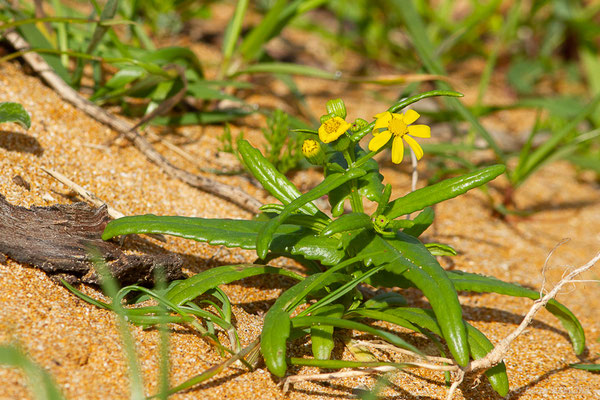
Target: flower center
332, 125
397, 127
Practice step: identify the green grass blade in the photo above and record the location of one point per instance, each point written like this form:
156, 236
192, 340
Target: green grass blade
587, 367
339, 364
41, 383
286, 68
418, 33
109, 285
232, 34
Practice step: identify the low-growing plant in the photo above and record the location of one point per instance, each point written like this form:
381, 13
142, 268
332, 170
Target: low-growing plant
339, 253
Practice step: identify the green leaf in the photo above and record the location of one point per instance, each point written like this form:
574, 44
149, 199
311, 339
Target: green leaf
444, 190
301, 322
265, 236
440, 249
190, 288
407, 261
427, 275
291, 239
421, 222
14, 112
322, 335
270, 178
276, 329
416, 318
465, 281
348, 222
586, 367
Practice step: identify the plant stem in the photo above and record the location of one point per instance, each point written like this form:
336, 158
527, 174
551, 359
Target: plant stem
355, 199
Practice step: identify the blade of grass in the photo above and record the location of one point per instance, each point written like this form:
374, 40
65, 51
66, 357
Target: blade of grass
109, 286
108, 13
232, 34
418, 33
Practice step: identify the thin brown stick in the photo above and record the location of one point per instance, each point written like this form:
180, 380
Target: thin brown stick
83, 193
37, 63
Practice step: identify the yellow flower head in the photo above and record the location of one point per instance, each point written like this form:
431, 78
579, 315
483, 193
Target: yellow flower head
311, 149
332, 129
398, 126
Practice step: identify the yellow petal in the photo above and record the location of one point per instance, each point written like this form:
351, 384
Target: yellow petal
379, 141
414, 146
397, 150
419, 131
410, 116
385, 114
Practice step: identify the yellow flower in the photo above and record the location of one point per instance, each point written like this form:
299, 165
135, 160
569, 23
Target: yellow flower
398, 126
311, 149
332, 129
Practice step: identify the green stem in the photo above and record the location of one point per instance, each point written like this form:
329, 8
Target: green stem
355, 200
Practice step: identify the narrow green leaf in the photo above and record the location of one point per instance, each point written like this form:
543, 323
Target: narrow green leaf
322, 335
421, 222
190, 288
276, 329
14, 112
289, 239
587, 367
465, 281
302, 322
444, 190
265, 236
417, 318
286, 68
270, 178
348, 222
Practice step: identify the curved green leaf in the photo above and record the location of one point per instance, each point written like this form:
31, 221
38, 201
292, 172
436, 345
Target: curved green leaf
265, 236
431, 279
465, 281
292, 239
302, 322
321, 336
416, 318
444, 190
347, 222
421, 222
270, 178
14, 112
276, 329
188, 289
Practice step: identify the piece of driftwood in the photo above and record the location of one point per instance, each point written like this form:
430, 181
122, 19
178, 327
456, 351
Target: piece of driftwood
57, 240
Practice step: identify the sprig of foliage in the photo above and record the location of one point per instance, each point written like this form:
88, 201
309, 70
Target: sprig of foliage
14, 112
353, 248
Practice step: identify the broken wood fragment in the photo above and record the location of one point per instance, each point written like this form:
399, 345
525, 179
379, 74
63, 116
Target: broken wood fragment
57, 239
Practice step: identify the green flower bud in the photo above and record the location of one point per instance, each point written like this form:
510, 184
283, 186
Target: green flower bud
326, 117
380, 222
358, 124
311, 149
337, 108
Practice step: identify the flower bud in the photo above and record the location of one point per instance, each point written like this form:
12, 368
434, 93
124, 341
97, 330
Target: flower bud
337, 108
358, 124
311, 149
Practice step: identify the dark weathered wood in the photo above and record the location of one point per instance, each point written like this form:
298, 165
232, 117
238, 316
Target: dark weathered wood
57, 240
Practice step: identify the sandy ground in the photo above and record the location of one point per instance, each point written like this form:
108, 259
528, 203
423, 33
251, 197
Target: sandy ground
80, 346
